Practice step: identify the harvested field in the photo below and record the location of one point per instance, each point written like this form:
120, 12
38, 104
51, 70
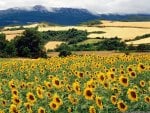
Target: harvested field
52, 44
125, 24
141, 41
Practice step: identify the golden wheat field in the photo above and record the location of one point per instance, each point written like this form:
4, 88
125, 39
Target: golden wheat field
76, 84
124, 30
52, 44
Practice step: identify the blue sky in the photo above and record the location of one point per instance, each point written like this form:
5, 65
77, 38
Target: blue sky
96, 6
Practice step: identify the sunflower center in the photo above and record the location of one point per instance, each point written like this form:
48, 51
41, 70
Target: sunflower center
89, 93
122, 105
124, 80
54, 105
58, 100
133, 94
31, 97
56, 82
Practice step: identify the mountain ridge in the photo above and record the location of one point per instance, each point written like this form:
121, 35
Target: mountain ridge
63, 16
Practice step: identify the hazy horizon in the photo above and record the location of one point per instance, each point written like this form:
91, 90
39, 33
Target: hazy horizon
95, 6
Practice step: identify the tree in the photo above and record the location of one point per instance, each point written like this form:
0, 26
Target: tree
30, 44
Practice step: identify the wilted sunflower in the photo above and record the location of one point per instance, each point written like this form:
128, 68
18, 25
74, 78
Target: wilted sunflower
88, 93
147, 99
142, 83
99, 102
92, 109
122, 106
113, 99
132, 95
54, 106
41, 110
30, 97
13, 109
124, 81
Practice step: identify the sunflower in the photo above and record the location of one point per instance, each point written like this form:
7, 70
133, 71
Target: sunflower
111, 76
54, 106
141, 67
132, 95
132, 74
106, 84
41, 110
99, 102
28, 106
147, 99
70, 110
113, 99
16, 100
3, 103
88, 93
101, 77
142, 83
39, 92
57, 99
13, 109
14, 92
76, 88
48, 84
92, 109
56, 82
122, 106
124, 81
30, 97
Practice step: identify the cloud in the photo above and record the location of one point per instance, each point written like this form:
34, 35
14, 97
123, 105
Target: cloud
96, 6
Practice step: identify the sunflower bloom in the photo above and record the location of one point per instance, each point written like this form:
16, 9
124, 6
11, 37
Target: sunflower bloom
122, 106
30, 97
99, 102
92, 109
41, 110
54, 106
132, 95
88, 93
13, 109
124, 81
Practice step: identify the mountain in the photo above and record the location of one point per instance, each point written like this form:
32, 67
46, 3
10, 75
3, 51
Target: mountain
63, 16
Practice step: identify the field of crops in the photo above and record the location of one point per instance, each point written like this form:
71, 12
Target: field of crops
78, 84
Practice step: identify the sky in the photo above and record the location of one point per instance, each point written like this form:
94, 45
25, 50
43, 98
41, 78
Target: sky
95, 6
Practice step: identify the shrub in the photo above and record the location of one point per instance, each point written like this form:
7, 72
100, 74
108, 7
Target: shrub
64, 53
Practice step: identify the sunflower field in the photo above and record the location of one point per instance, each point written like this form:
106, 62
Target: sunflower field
76, 84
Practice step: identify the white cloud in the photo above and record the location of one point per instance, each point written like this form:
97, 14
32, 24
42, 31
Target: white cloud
99, 6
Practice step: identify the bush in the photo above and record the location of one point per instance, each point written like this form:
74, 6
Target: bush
29, 44
64, 53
